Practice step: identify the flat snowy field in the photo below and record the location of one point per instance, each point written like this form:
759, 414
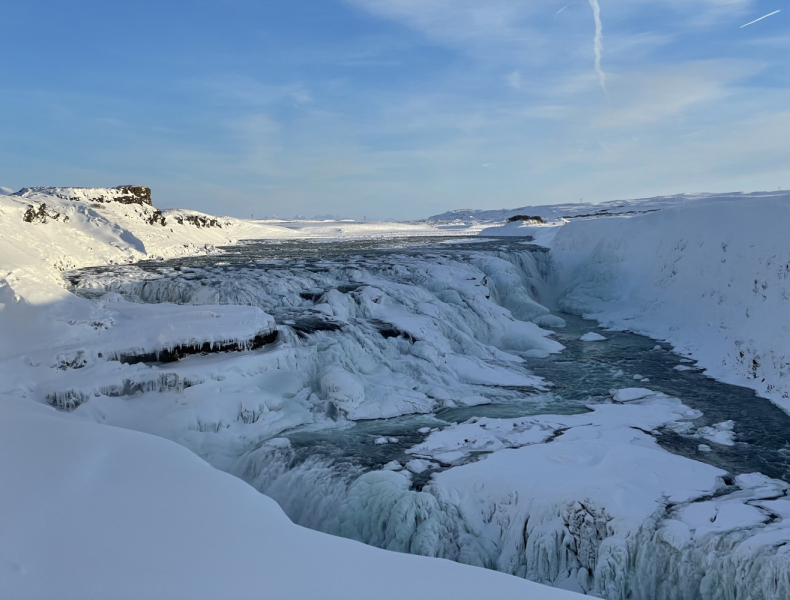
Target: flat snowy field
588, 502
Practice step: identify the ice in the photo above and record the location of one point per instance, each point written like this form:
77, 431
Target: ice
720, 433
541, 505
587, 502
418, 466
544, 510
631, 394
549, 321
416, 336
592, 337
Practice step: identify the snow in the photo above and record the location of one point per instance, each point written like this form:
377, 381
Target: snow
707, 273
709, 276
88, 507
558, 214
89, 511
427, 332
587, 502
720, 433
631, 394
592, 337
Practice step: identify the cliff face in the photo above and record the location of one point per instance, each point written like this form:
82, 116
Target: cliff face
133, 194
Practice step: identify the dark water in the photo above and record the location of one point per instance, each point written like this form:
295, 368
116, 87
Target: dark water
583, 374
261, 255
586, 368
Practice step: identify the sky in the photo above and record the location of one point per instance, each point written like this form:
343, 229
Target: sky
395, 108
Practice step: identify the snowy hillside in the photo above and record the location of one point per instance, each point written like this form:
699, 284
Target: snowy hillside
44, 231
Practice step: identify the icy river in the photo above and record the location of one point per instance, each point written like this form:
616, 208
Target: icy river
423, 395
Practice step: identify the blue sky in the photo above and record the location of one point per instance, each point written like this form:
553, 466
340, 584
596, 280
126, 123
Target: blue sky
394, 108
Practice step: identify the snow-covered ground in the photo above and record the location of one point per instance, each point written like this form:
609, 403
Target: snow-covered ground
328, 339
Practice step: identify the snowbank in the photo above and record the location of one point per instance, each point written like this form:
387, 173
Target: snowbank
93, 512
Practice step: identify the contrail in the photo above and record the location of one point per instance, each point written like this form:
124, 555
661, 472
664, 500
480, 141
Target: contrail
563, 8
761, 18
598, 45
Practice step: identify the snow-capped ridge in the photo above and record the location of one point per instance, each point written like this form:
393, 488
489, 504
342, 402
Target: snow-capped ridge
124, 194
559, 213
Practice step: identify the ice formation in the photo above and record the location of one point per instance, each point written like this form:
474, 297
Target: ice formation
585, 502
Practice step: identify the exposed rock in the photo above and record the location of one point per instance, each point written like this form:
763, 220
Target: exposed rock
527, 218
198, 221
42, 214
156, 218
133, 194
178, 352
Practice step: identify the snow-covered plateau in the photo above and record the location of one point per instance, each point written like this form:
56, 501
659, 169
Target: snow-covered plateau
420, 392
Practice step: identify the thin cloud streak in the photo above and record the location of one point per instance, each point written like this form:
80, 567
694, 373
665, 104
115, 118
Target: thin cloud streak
761, 18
